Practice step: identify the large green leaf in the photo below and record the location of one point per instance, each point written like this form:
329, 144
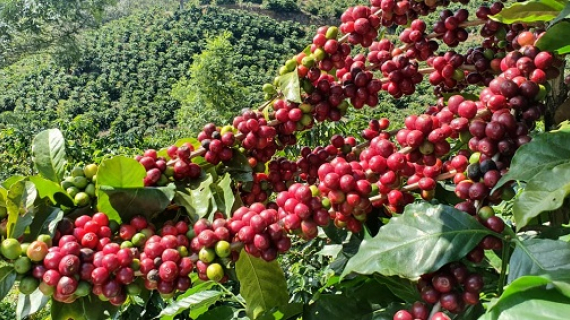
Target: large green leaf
546, 191
20, 202
7, 280
195, 300
360, 301
423, 239
199, 202
121, 192
556, 39
239, 168
263, 284
187, 297
48, 154
284, 312
87, 308
529, 298
218, 313
544, 152
45, 222
538, 256
565, 14
13, 179
52, 190
224, 195
121, 172
529, 12
30, 304
290, 86
400, 287
128, 203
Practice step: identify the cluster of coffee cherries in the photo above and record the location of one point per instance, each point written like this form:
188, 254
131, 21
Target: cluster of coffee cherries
403, 75
327, 52
281, 170
386, 168
26, 258
360, 24
376, 128
418, 45
157, 171
453, 286
94, 255
419, 311
491, 27
256, 135
486, 63
292, 116
325, 95
347, 190
380, 52
80, 184
359, 84
447, 71
258, 230
83, 260
182, 165
257, 190
211, 244
449, 28
486, 216
301, 210
163, 257
393, 12
217, 143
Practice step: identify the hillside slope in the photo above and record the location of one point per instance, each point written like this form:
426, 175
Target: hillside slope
119, 92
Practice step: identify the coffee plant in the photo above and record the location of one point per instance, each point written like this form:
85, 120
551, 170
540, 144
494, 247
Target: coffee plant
459, 214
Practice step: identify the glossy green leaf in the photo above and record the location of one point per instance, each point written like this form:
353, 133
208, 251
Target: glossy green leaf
224, 195
87, 308
538, 256
52, 190
19, 202
289, 85
556, 39
128, 203
121, 172
218, 313
30, 304
544, 152
529, 12
530, 302
45, 222
120, 187
239, 168
48, 154
423, 239
564, 14
546, 191
197, 201
560, 279
13, 179
284, 312
195, 300
400, 287
7, 280
263, 284
356, 302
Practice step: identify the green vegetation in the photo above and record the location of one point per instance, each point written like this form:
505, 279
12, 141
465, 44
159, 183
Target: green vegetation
119, 93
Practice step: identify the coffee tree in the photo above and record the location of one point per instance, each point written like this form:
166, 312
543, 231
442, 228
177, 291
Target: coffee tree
458, 214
